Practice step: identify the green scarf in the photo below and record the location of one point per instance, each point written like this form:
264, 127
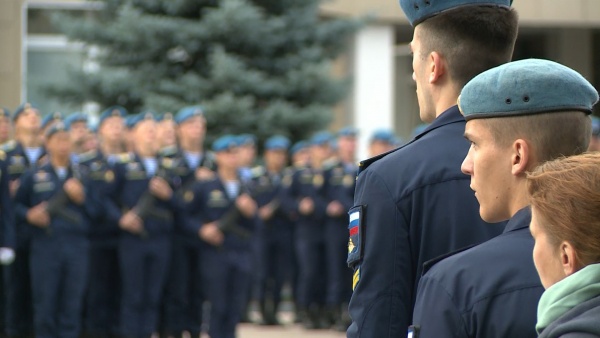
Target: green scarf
568, 293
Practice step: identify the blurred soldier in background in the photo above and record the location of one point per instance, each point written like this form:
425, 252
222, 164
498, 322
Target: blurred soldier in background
166, 133
24, 152
143, 202
5, 125
304, 198
52, 199
275, 230
340, 180
103, 292
382, 141
184, 292
228, 215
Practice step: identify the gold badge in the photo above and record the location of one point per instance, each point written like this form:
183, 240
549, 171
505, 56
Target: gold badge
355, 278
109, 176
350, 245
188, 196
318, 180
348, 180
287, 181
2, 155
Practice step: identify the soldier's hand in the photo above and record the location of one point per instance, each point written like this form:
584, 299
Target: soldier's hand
160, 188
306, 206
211, 234
13, 187
203, 174
266, 212
335, 209
131, 222
74, 190
246, 205
38, 215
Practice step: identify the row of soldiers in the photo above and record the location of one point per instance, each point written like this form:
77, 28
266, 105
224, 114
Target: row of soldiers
131, 230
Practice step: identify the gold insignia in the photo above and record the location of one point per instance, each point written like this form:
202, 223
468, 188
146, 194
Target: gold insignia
116, 112
355, 278
168, 116
348, 180
109, 176
167, 162
350, 245
188, 196
2, 155
216, 194
287, 181
318, 180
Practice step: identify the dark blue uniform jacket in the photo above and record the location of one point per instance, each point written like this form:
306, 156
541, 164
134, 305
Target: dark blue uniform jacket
491, 290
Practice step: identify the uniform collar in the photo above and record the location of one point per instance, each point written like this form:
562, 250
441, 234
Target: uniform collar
520, 220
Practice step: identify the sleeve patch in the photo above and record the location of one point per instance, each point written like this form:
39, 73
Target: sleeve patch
356, 232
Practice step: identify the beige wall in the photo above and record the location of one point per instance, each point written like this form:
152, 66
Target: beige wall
581, 13
10, 52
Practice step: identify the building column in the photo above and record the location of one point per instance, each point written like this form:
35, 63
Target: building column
11, 47
373, 82
573, 48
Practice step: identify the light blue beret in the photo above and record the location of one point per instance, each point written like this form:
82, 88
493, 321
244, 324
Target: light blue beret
112, 111
224, 143
52, 117
526, 87
4, 112
321, 138
143, 116
347, 131
23, 107
277, 142
186, 113
418, 130
129, 119
168, 116
418, 11
75, 117
300, 145
55, 128
383, 135
246, 139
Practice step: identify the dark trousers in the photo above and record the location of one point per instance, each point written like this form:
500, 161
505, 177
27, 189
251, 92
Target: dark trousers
144, 264
59, 268
274, 262
227, 279
19, 304
310, 254
184, 294
103, 293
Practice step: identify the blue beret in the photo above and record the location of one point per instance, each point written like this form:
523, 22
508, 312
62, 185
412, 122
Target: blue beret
300, 145
51, 117
348, 131
129, 120
277, 142
246, 139
418, 11
383, 135
526, 87
168, 116
186, 113
55, 128
321, 138
225, 142
75, 117
595, 126
4, 112
418, 130
143, 116
112, 111
23, 107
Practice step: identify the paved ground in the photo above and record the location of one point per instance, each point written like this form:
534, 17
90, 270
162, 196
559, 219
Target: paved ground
292, 331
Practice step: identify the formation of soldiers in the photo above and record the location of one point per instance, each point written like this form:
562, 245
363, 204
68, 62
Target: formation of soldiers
131, 228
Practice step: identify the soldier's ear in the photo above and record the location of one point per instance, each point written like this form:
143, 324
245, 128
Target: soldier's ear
521, 157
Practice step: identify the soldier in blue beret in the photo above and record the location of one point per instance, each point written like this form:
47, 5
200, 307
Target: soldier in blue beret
300, 154
418, 130
182, 302
77, 125
275, 229
52, 200
381, 142
413, 204
50, 119
595, 140
247, 154
142, 202
304, 199
5, 125
24, 152
166, 132
519, 115
103, 296
225, 216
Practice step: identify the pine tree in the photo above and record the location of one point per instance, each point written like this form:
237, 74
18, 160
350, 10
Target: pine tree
258, 66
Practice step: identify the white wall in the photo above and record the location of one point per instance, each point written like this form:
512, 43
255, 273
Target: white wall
373, 82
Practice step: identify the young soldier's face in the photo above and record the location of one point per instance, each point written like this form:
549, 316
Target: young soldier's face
489, 166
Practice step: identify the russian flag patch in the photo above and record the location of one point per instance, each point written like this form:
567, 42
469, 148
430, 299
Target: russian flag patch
355, 229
